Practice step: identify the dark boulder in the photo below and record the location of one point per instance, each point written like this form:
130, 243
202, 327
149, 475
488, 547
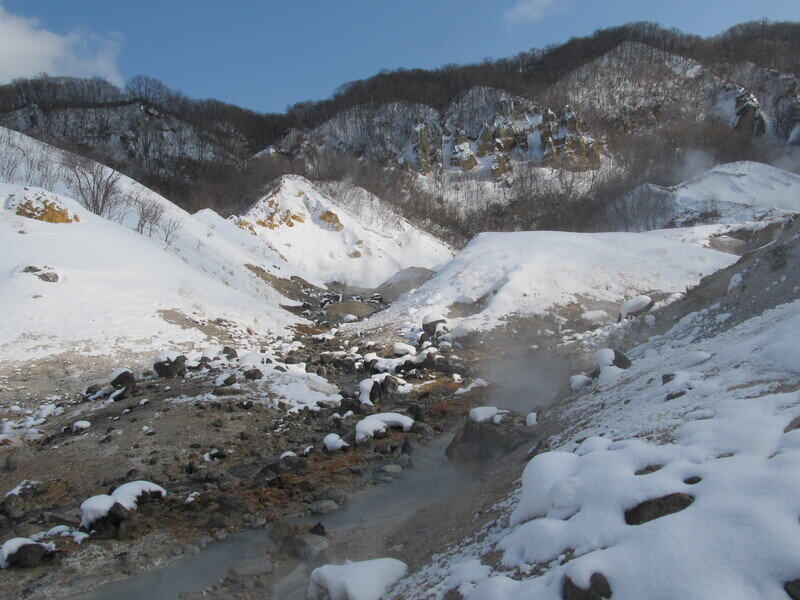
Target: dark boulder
479, 442
125, 381
621, 361
252, 374
598, 588
650, 510
171, 368
28, 555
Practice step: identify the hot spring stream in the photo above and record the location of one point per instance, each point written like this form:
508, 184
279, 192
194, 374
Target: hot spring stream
357, 532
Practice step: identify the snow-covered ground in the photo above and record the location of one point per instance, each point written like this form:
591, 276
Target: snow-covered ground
362, 245
528, 273
704, 425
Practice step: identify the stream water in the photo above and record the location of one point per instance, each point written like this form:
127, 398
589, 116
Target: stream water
357, 530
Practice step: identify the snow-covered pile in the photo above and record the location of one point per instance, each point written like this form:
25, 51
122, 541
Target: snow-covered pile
528, 273
326, 241
10, 547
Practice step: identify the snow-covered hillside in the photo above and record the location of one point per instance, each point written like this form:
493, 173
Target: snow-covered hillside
677, 478
27, 161
730, 193
529, 273
93, 286
361, 245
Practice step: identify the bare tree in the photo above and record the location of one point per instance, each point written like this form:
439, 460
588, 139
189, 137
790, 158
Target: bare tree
10, 156
94, 185
170, 227
149, 214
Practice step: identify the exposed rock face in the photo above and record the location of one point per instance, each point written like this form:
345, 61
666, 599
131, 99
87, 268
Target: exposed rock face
749, 119
332, 219
482, 123
501, 165
486, 440
427, 151
565, 143
42, 206
461, 155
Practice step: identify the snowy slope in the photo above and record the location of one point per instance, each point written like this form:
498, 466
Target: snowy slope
728, 445
328, 242
111, 284
528, 273
26, 161
729, 193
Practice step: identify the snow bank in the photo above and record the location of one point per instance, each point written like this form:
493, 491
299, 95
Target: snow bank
365, 580
702, 487
729, 193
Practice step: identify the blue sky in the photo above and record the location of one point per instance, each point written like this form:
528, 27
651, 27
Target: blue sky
265, 54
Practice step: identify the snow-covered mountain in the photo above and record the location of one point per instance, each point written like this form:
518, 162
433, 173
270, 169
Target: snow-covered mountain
355, 239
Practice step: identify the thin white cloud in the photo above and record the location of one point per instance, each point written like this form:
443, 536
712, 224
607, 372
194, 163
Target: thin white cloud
530, 10
27, 49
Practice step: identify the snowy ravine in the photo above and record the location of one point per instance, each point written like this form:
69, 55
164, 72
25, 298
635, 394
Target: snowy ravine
720, 458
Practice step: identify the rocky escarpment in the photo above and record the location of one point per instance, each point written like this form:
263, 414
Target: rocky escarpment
484, 133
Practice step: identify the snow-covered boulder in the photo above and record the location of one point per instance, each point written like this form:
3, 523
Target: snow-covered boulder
578, 382
401, 349
334, 442
378, 423
365, 580
102, 515
133, 493
634, 306
23, 552
430, 321
369, 392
